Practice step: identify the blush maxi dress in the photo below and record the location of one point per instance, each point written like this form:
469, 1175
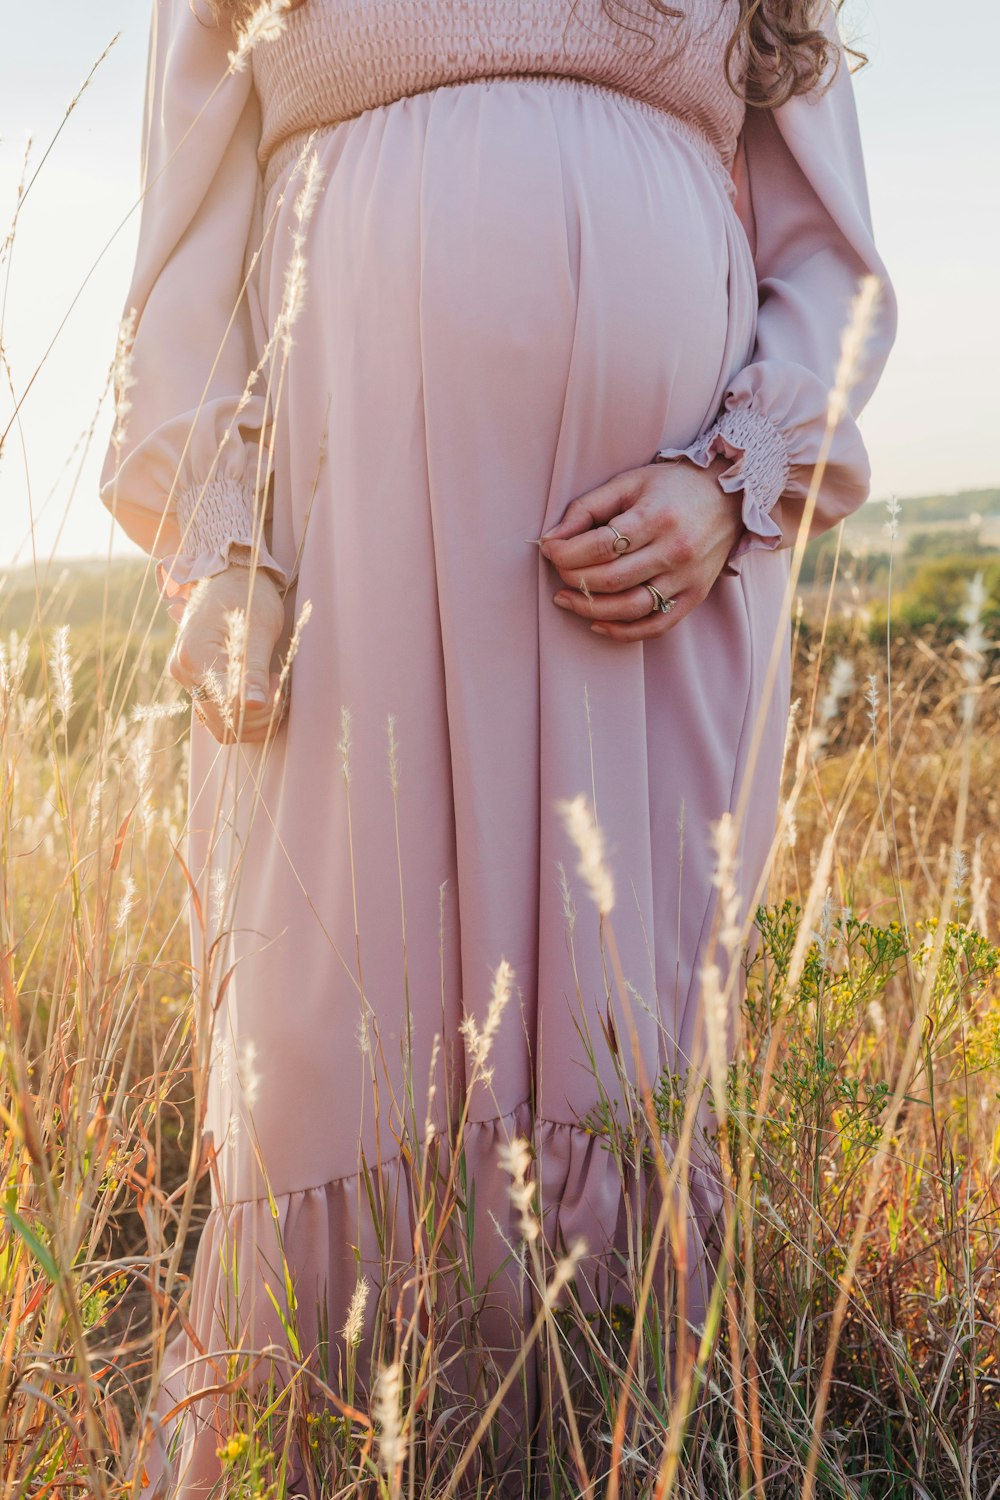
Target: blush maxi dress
411, 276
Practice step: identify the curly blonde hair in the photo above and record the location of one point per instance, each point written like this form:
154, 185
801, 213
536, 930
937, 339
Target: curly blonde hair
784, 44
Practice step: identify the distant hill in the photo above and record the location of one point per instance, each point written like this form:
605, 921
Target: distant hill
965, 521
958, 506
941, 541
78, 590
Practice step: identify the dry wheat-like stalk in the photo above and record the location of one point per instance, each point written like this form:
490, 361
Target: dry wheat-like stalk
479, 1042
583, 829
388, 1421
265, 24
354, 1322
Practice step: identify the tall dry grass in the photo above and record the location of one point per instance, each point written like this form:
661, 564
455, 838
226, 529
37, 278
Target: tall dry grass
851, 1345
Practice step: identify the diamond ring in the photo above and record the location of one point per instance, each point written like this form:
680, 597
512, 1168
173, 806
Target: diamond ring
664, 605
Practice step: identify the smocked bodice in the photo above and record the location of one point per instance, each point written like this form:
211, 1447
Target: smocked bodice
334, 59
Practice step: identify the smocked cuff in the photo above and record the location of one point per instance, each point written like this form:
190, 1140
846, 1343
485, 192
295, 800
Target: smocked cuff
760, 470
212, 519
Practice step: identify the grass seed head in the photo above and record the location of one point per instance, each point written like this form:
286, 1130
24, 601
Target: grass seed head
354, 1322
265, 24
63, 672
583, 829
386, 1403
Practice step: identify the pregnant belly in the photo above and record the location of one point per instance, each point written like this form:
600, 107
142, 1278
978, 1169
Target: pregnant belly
519, 222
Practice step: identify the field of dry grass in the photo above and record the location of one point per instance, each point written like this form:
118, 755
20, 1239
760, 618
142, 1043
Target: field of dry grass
851, 1347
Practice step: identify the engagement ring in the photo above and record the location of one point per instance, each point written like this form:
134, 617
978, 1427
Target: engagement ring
664, 605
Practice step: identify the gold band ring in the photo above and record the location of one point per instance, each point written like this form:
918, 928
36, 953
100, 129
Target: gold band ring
621, 543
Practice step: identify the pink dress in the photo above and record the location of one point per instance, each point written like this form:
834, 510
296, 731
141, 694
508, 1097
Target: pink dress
539, 250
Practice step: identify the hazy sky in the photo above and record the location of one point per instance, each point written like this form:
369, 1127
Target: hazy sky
931, 128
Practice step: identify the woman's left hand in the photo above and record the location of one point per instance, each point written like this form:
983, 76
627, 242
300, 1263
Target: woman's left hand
681, 526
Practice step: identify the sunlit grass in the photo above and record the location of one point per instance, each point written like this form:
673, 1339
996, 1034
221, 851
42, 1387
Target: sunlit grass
104, 1185
851, 1346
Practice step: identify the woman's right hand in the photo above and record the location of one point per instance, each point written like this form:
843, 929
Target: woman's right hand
199, 655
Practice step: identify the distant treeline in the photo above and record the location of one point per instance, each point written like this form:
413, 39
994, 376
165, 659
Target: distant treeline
927, 508
117, 606
932, 570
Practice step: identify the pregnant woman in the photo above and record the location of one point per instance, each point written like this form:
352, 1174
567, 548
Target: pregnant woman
480, 350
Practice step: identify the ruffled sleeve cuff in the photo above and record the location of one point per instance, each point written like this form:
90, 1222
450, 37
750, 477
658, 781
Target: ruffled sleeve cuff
210, 521
215, 521
760, 470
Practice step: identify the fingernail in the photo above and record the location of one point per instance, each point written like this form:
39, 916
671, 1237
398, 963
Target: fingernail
561, 600
599, 629
257, 697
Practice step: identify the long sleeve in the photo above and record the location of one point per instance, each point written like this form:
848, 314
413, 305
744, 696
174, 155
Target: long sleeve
186, 473
803, 200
